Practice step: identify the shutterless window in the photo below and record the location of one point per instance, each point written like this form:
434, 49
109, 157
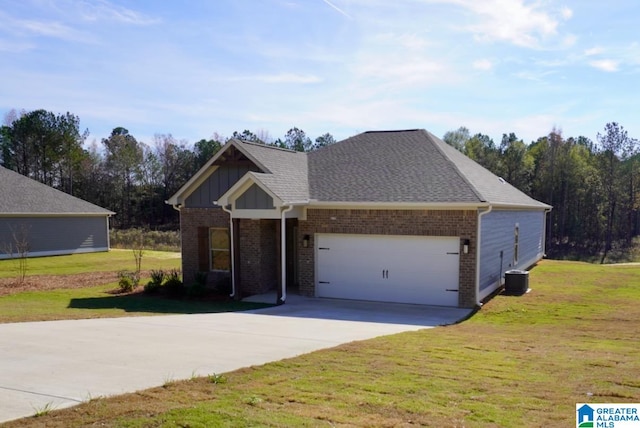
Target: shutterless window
220, 252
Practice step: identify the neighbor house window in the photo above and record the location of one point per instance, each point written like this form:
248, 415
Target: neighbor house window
516, 246
220, 253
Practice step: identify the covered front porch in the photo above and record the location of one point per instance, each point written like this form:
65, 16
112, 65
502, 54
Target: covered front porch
264, 239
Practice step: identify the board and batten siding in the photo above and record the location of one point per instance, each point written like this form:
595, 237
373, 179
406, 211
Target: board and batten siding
254, 198
498, 245
48, 236
216, 185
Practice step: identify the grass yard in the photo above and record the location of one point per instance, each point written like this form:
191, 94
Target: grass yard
111, 261
69, 297
520, 361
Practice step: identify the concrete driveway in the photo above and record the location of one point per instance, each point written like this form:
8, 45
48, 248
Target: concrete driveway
64, 363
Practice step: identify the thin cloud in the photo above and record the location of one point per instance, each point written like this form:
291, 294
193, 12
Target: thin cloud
482, 64
593, 51
513, 21
279, 78
607, 65
43, 28
336, 8
103, 9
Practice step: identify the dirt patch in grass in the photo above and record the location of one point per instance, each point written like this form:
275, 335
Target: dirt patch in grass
59, 282
55, 282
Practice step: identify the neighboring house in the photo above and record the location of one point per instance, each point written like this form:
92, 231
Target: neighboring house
393, 216
47, 221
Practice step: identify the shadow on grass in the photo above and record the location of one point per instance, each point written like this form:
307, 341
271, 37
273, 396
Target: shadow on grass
160, 305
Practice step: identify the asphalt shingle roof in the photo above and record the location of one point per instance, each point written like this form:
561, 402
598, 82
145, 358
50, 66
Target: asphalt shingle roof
404, 166
410, 166
287, 171
22, 195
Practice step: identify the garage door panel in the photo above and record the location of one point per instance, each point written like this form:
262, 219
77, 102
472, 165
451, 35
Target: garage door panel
403, 269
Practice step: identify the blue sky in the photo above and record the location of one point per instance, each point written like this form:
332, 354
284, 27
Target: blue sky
192, 68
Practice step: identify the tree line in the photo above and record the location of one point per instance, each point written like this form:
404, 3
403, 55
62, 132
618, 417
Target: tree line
122, 174
592, 186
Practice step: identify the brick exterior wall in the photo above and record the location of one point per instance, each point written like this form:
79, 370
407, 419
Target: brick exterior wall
258, 256
259, 246
190, 220
391, 222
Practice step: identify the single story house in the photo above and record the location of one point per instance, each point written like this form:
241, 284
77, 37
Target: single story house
38, 220
392, 216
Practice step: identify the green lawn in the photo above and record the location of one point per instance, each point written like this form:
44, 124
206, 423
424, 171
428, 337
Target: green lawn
520, 361
111, 261
100, 300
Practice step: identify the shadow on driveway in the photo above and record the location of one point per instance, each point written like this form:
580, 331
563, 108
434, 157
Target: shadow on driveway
160, 305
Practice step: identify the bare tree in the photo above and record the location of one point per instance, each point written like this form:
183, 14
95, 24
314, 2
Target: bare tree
19, 248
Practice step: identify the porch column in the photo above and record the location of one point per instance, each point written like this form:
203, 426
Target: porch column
282, 290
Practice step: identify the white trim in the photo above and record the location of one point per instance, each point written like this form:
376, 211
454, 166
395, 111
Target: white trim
57, 252
232, 252
479, 295
56, 215
274, 214
283, 253
395, 205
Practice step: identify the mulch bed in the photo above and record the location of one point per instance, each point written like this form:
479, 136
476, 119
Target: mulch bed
91, 279
56, 282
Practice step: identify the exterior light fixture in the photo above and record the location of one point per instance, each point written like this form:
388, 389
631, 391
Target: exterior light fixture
465, 246
305, 241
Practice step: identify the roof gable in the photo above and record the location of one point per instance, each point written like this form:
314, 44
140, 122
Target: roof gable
23, 196
284, 170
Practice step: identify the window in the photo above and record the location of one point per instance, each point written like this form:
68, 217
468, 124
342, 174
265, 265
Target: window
219, 245
516, 246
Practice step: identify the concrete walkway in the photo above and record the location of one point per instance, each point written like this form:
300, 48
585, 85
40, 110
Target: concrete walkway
64, 363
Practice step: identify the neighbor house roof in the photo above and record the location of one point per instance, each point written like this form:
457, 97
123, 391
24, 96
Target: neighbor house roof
21, 195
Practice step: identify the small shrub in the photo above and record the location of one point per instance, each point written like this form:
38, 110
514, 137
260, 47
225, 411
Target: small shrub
152, 287
201, 277
223, 286
197, 290
127, 281
217, 378
157, 277
199, 286
174, 285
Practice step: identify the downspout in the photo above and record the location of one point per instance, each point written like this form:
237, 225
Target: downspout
478, 247
231, 235
283, 254
544, 232
108, 237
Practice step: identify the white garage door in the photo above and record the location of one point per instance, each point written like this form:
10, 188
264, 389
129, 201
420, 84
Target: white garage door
401, 269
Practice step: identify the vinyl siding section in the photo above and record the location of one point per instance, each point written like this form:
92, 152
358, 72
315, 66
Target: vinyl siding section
55, 235
498, 235
216, 184
254, 199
